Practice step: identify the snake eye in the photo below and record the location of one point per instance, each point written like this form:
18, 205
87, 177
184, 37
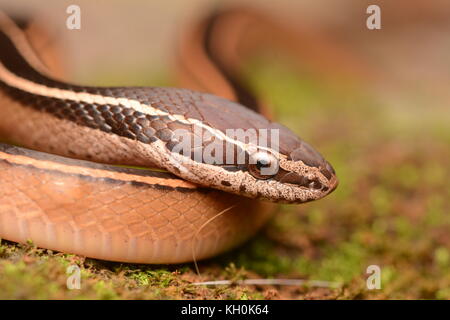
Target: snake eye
263, 166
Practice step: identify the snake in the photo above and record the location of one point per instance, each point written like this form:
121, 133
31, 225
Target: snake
96, 171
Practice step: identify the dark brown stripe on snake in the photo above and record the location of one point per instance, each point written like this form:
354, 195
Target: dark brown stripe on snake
120, 120
42, 156
243, 93
91, 178
87, 170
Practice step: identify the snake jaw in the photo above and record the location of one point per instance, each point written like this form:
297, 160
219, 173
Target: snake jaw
311, 165
299, 182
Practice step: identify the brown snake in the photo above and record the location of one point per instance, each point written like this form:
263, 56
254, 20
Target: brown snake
71, 196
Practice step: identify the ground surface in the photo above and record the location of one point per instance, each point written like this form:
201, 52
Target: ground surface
391, 209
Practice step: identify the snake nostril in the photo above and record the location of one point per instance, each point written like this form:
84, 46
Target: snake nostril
327, 170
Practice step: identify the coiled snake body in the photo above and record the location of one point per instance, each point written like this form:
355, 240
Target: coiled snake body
95, 208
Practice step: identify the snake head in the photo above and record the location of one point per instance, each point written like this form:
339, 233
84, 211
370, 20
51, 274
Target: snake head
280, 167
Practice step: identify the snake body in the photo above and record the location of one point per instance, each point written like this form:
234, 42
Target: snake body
71, 196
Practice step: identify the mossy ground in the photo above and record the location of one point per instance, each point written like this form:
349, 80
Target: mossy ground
391, 209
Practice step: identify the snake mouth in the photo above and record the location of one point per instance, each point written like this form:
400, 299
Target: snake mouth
319, 186
334, 182
299, 181
328, 171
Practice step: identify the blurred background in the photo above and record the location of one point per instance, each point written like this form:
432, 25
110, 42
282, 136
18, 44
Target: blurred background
375, 103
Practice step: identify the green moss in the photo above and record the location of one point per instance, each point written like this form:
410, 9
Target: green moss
104, 290
381, 200
443, 294
442, 257
260, 257
340, 264
160, 277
